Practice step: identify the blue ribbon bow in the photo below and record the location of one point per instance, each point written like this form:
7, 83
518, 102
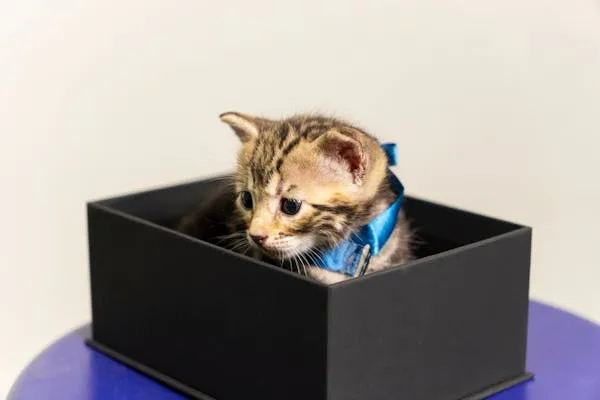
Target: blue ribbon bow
351, 257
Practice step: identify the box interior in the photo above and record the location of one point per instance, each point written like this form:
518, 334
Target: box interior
437, 228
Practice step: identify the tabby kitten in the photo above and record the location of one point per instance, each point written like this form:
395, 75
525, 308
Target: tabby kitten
303, 185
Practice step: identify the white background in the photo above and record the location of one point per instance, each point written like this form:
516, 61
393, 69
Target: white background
495, 106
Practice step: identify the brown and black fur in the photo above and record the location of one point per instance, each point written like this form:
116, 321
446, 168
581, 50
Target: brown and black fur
337, 170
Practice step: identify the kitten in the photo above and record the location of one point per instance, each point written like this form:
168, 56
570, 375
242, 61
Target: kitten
303, 185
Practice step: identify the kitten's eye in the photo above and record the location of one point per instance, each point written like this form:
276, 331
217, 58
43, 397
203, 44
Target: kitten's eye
246, 199
290, 206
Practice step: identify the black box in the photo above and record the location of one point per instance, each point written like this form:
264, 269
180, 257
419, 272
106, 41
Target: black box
217, 325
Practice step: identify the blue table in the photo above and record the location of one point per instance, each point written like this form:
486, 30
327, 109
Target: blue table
563, 351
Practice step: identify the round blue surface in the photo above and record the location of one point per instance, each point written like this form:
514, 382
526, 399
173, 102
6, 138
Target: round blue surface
563, 352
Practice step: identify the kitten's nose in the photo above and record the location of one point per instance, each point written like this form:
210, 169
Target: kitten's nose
260, 239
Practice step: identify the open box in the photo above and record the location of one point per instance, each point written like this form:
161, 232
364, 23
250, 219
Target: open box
217, 325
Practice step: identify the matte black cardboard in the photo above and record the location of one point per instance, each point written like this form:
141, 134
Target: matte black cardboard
217, 325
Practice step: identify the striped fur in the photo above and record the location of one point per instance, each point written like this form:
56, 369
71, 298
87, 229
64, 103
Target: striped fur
336, 170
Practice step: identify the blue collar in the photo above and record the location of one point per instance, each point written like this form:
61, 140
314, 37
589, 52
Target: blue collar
351, 257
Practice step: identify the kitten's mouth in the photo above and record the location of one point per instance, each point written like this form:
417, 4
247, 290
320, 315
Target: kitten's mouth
280, 253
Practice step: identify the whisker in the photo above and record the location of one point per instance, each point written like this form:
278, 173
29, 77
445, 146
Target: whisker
301, 263
229, 236
239, 244
305, 265
316, 253
296, 264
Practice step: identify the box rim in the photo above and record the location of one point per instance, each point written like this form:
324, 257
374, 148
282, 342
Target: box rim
155, 188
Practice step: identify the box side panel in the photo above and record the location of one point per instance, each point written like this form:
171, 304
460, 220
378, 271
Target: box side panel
454, 226
442, 329
166, 205
213, 321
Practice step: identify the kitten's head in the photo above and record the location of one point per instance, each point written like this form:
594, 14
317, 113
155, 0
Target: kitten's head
304, 183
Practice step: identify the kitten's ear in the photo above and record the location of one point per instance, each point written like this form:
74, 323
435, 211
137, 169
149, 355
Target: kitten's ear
346, 152
244, 126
